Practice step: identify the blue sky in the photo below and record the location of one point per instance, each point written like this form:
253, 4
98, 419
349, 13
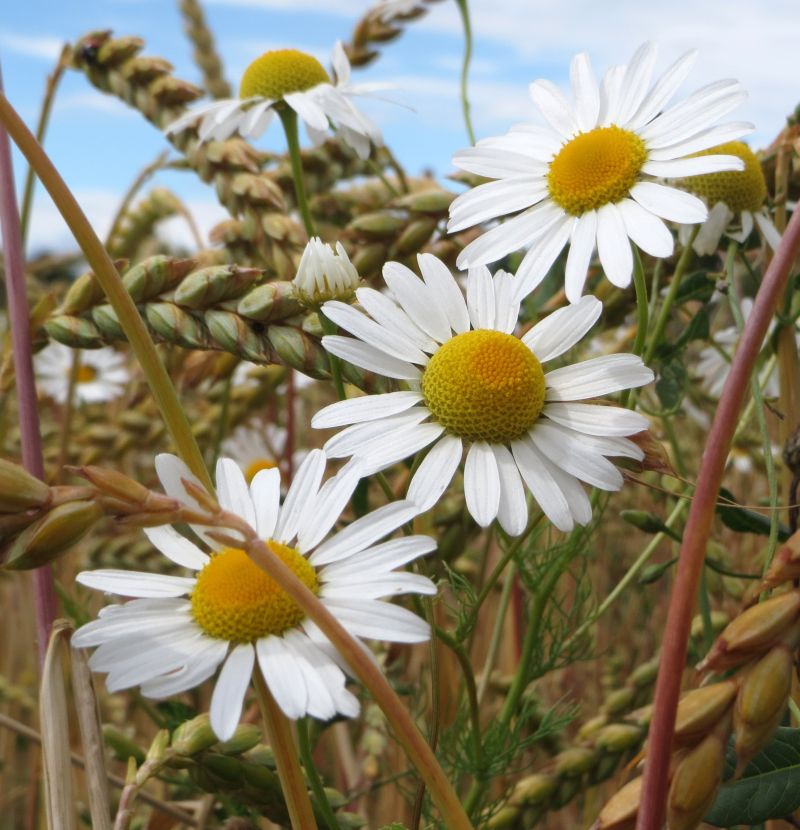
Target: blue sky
99, 145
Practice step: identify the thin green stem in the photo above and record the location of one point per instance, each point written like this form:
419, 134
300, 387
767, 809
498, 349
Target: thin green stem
289, 120
317, 787
99, 261
281, 740
497, 631
705, 613
329, 327
643, 313
672, 292
463, 7
376, 169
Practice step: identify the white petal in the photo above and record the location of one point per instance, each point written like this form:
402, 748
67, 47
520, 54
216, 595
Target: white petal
378, 620
227, 699
283, 676
354, 438
266, 493
233, 492
124, 655
364, 531
390, 343
308, 109
135, 625
381, 452
578, 501
496, 163
771, 233
171, 470
559, 446
371, 586
340, 63
392, 317
596, 377
220, 116
369, 358
176, 547
562, 329
554, 107
257, 119
581, 247
611, 95
365, 408
487, 201
512, 513
480, 297
542, 485
204, 662
538, 261
379, 558
718, 134
594, 419
636, 81
416, 299
481, 483
135, 583
445, 290
331, 501
613, 246
646, 230
154, 659
695, 166
664, 89
511, 235
506, 302
435, 472
585, 92
302, 493
669, 203
320, 701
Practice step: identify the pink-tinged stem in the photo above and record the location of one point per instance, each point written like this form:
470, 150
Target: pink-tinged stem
31, 439
698, 530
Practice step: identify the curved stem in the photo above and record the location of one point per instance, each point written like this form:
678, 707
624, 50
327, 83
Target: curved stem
317, 787
99, 261
643, 308
464, 9
329, 327
289, 120
27, 405
279, 731
698, 530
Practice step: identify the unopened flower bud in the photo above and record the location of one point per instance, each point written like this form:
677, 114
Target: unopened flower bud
115, 484
324, 275
193, 736
19, 490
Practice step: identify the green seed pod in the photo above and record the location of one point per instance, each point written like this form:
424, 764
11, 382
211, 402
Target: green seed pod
534, 789
19, 490
619, 700
105, 318
415, 236
175, 325
621, 809
75, 332
122, 746
145, 68
170, 92
271, 301
701, 709
369, 259
57, 530
234, 335
159, 745
298, 351
426, 201
117, 51
644, 675
377, 224
226, 769
82, 294
591, 727
194, 736
246, 736
618, 737
695, 782
753, 632
575, 761
761, 702
504, 819
155, 275
209, 286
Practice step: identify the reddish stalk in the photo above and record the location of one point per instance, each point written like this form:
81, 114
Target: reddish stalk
698, 529
30, 436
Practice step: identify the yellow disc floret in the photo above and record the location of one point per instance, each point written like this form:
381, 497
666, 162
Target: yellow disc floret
235, 600
256, 466
595, 169
281, 72
738, 189
85, 374
484, 386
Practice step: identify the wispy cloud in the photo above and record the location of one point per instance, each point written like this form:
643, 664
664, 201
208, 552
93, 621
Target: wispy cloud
339, 8
44, 47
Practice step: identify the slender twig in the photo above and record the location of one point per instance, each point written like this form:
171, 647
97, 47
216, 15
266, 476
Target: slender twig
497, 631
289, 120
698, 530
106, 274
464, 9
30, 434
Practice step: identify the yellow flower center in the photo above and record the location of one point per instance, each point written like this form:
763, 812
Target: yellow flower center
738, 189
235, 600
484, 386
257, 466
280, 72
86, 374
595, 169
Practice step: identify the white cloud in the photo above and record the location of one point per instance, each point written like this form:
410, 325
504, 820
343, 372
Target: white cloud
338, 8
34, 46
93, 101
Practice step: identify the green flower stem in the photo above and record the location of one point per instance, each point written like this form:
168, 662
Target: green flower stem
106, 274
663, 316
463, 7
329, 327
304, 742
643, 313
41, 128
365, 669
698, 529
289, 120
497, 631
281, 739
758, 401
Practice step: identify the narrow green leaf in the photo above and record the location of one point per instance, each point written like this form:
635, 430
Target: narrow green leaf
743, 520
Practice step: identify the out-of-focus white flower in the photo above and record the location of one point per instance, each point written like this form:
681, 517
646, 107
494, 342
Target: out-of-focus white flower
102, 373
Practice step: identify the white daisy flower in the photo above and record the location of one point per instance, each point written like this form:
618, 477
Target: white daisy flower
736, 199
102, 373
471, 381
258, 445
324, 274
588, 178
179, 630
289, 77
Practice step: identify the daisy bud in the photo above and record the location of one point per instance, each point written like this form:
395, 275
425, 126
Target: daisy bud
19, 490
193, 736
159, 746
324, 275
